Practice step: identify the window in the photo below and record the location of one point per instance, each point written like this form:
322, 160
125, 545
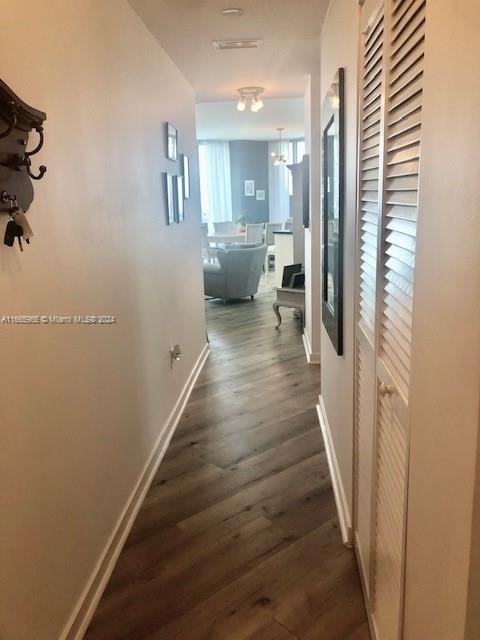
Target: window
215, 181
202, 159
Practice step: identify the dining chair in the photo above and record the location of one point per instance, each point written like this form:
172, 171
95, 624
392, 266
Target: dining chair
254, 233
270, 228
224, 227
208, 252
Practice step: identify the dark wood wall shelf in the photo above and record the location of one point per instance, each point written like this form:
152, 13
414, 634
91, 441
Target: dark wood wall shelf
17, 121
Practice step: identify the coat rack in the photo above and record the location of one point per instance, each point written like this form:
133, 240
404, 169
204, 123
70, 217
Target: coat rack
17, 120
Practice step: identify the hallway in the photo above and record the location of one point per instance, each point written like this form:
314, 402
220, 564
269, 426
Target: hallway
238, 536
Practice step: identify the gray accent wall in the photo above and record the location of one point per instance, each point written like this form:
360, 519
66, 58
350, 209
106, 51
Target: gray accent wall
249, 161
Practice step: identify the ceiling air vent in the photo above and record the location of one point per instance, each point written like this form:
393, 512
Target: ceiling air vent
224, 45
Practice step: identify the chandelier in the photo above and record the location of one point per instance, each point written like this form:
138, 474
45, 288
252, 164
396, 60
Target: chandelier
279, 158
253, 94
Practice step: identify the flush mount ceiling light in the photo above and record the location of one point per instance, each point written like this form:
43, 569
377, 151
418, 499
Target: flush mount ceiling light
248, 43
279, 158
253, 94
233, 12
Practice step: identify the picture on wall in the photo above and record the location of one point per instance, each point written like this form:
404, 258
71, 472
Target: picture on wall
249, 187
179, 199
260, 194
172, 142
169, 198
186, 176
306, 191
333, 160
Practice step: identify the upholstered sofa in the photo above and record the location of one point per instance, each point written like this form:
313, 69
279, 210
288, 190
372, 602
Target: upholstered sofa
237, 273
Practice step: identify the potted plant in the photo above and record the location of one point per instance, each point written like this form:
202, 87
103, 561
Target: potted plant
242, 221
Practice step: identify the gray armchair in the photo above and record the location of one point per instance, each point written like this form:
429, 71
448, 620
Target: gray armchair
238, 273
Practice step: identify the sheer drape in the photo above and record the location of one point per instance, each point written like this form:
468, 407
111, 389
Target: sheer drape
215, 181
279, 182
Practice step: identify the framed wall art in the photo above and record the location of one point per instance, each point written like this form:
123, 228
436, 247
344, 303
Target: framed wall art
186, 176
169, 192
249, 187
172, 142
306, 190
333, 184
179, 199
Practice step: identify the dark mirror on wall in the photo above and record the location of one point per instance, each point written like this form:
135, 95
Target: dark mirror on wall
332, 210
306, 190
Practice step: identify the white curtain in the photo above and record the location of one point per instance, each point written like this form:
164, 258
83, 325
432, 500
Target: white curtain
215, 181
279, 182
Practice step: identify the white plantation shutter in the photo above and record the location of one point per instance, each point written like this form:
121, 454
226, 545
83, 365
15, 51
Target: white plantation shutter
403, 128
370, 137
370, 154
364, 430
391, 465
405, 36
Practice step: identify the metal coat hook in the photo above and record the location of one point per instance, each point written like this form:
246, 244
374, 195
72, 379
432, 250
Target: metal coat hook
39, 130
42, 170
18, 162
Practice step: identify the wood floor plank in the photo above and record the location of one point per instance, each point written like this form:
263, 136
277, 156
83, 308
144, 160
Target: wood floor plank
238, 537
249, 602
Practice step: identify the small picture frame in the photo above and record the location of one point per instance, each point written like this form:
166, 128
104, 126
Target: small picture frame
179, 199
249, 188
169, 198
186, 176
172, 142
260, 194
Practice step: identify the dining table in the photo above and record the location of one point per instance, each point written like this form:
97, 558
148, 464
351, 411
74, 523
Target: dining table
226, 238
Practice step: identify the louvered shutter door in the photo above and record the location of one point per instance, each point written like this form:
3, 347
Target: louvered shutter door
403, 119
365, 425
391, 473
403, 126
370, 173
370, 126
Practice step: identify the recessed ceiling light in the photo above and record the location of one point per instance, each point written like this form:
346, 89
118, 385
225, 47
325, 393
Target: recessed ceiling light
233, 12
249, 43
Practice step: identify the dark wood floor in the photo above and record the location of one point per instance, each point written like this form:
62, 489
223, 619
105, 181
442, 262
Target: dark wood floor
238, 537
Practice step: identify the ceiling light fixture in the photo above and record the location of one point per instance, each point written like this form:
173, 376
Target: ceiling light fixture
252, 94
257, 104
279, 158
242, 103
233, 12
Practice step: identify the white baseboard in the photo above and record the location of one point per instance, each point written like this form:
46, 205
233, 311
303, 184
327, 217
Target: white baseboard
312, 358
338, 490
82, 614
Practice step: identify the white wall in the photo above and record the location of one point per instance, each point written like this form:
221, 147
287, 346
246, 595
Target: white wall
313, 282
446, 331
81, 407
339, 49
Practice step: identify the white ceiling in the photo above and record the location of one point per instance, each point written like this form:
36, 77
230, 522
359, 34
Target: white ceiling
222, 121
290, 30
